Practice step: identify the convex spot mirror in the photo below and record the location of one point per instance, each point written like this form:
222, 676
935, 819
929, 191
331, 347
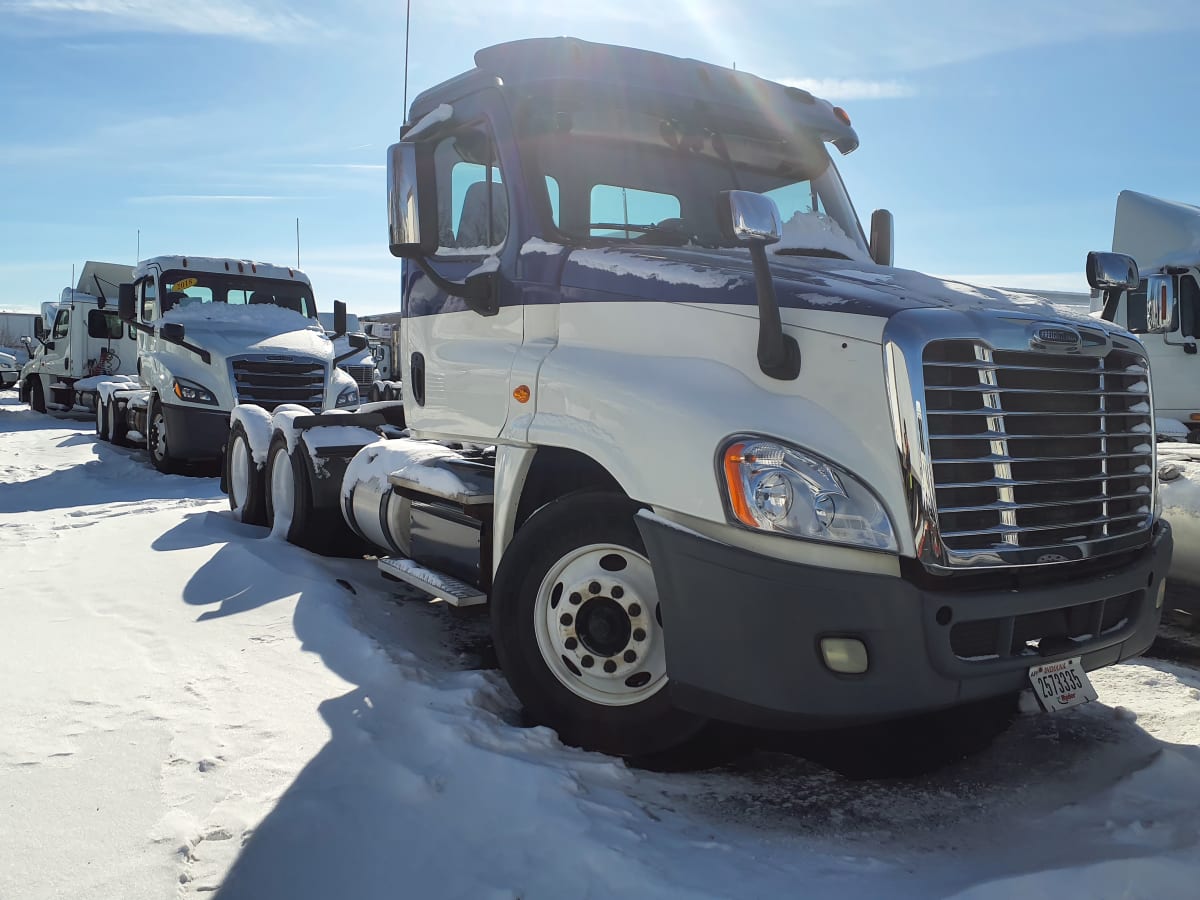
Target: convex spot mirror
747, 218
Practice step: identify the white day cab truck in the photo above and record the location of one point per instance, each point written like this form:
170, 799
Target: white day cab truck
212, 333
704, 452
85, 344
1163, 237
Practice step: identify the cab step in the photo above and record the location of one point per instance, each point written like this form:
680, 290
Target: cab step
445, 587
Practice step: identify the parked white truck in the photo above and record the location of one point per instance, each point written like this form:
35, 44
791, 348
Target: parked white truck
213, 332
85, 340
707, 460
1163, 237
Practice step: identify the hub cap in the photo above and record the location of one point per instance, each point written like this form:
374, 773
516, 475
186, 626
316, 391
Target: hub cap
597, 625
159, 447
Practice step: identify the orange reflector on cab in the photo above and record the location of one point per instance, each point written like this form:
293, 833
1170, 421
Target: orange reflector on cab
521, 394
734, 457
1195, 417
842, 114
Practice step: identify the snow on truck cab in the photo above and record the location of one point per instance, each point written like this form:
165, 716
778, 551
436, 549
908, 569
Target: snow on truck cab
701, 448
213, 332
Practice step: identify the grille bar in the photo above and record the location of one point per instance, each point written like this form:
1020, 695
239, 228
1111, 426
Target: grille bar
1064, 526
998, 435
270, 383
1051, 504
1009, 458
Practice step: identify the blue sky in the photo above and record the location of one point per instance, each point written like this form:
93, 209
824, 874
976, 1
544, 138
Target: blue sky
999, 133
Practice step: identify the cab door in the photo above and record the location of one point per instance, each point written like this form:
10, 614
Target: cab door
455, 362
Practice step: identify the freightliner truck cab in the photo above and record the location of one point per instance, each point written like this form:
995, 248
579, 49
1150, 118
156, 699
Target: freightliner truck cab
702, 449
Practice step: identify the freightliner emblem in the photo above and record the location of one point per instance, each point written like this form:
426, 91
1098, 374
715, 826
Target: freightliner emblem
1056, 338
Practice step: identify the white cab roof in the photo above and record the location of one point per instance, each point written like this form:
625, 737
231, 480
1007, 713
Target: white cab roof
221, 265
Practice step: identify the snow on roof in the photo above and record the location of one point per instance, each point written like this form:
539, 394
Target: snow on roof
220, 265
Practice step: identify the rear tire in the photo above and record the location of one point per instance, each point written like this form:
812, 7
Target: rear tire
102, 417
373, 395
575, 623
290, 511
37, 394
244, 479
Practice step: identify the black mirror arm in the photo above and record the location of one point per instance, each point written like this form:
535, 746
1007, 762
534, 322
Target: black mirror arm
204, 355
1111, 299
480, 291
778, 353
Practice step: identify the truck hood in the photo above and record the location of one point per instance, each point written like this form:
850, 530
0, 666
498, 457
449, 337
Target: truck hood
726, 277
236, 330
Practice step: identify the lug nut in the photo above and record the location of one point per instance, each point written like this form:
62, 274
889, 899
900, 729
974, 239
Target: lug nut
635, 610
570, 643
575, 599
618, 592
594, 587
566, 618
587, 662
630, 656
639, 634
610, 666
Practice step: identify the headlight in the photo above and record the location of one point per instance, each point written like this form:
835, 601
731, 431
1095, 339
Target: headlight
348, 397
773, 487
193, 393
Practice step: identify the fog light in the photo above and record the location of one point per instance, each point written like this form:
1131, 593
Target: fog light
845, 655
1162, 593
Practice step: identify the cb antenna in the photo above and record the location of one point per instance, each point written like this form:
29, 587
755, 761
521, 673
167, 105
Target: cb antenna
407, 19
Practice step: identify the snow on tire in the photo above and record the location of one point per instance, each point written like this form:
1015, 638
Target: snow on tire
244, 479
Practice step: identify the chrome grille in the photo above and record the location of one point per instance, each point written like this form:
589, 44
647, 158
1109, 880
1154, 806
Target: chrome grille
271, 382
364, 376
1037, 451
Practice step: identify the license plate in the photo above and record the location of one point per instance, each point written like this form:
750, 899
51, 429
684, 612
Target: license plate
1061, 685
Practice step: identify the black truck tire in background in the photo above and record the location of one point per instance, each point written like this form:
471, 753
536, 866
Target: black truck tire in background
102, 419
37, 394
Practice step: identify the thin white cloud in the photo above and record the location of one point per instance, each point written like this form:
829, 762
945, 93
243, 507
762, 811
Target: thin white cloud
354, 167
852, 88
215, 198
264, 22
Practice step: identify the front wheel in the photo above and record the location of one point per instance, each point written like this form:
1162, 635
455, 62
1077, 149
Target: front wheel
244, 479
577, 629
157, 439
37, 394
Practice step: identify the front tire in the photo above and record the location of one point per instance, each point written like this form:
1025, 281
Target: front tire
37, 394
157, 438
244, 479
576, 626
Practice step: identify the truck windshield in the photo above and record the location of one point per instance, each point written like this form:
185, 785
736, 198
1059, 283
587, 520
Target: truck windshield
616, 173
183, 288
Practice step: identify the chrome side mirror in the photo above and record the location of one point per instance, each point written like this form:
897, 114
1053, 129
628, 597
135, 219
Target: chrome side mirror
1111, 271
1162, 304
412, 218
749, 218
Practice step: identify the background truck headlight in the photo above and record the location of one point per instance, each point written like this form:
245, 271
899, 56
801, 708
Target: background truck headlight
348, 397
193, 393
773, 487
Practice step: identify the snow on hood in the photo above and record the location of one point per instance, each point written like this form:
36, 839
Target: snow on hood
698, 275
229, 330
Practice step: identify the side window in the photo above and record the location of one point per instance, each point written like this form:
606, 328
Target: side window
472, 204
613, 207
62, 324
552, 191
149, 294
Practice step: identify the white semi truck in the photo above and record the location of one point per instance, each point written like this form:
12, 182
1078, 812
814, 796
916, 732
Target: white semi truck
211, 333
707, 459
85, 340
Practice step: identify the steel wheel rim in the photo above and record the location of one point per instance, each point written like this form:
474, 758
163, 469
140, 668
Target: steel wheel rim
576, 620
283, 494
159, 433
100, 429
239, 473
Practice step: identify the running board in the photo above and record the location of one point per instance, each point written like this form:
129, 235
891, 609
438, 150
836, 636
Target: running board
445, 587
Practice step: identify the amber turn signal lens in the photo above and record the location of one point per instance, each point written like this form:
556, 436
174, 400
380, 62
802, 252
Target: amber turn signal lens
521, 394
734, 457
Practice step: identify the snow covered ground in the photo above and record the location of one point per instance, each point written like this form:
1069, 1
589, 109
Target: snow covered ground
189, 706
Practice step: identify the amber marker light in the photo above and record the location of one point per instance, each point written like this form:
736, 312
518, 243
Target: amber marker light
1195, 417
521, 393
734, 457
842, 114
